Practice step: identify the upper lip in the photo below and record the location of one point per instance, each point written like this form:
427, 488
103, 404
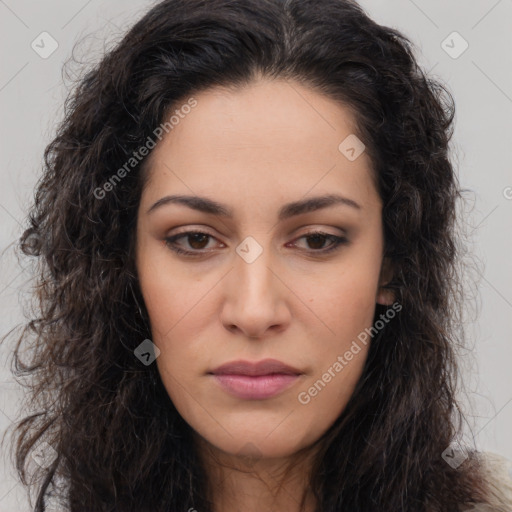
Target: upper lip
263, 367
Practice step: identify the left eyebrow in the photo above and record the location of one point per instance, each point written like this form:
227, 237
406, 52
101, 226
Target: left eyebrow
206, 205
315, 203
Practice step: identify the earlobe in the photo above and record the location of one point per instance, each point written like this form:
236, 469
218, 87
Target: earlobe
384, 296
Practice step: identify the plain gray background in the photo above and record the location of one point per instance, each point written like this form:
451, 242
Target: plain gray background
32, 92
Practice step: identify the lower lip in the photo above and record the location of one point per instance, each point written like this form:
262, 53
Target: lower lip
256, 387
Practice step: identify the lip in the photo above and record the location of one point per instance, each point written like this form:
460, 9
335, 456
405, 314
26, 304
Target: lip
258, 368
256, 380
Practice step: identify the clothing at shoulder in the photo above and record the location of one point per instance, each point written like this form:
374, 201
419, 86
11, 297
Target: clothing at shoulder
497, 471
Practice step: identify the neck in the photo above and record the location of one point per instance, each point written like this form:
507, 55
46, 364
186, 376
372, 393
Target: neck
253, 484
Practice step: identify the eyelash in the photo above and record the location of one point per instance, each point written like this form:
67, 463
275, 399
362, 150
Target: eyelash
170, 242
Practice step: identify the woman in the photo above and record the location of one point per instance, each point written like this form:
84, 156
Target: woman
248, 287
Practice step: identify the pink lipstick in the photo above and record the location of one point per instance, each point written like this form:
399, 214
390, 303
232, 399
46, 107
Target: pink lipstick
255, 381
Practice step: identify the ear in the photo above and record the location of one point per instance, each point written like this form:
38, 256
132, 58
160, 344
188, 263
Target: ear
384, 296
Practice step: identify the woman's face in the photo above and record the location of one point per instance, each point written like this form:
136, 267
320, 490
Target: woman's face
257, 284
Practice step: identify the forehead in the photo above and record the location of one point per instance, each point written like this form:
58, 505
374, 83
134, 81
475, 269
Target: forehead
266, 139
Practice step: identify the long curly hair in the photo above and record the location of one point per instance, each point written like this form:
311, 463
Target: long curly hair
119, 443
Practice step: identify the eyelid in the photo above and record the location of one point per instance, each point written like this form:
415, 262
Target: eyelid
337, 241
191, 231
311, 231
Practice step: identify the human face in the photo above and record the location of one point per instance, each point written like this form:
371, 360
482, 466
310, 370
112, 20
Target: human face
277, 294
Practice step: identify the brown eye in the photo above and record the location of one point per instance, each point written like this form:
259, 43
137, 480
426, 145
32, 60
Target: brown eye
197, 242
316, 242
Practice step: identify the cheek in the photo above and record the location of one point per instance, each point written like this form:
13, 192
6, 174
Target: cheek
323, 398
175, 315
170, 305
348, 311
168, 295
345, 303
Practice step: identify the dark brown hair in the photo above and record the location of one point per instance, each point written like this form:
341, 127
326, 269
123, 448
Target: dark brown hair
120, 443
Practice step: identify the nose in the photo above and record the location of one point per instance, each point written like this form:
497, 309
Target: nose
255, 300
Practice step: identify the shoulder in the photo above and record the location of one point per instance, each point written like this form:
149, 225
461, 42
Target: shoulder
497, 472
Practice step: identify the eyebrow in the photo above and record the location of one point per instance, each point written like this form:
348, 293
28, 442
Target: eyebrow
206, 205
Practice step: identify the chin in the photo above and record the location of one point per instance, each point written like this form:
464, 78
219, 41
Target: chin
251, 446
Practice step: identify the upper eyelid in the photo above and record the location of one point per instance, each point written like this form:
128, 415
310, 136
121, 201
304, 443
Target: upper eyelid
317, 231
312, 231
191, 232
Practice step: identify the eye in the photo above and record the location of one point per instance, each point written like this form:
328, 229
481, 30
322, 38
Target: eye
198, 242
317, 239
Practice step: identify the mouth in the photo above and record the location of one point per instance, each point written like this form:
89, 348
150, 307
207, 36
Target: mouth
255, 381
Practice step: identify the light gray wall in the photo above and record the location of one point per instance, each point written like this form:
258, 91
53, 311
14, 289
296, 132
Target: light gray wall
480, 78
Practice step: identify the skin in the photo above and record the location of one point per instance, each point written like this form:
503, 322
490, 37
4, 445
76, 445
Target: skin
254, 150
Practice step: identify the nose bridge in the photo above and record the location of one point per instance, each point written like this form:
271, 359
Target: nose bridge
254, 276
